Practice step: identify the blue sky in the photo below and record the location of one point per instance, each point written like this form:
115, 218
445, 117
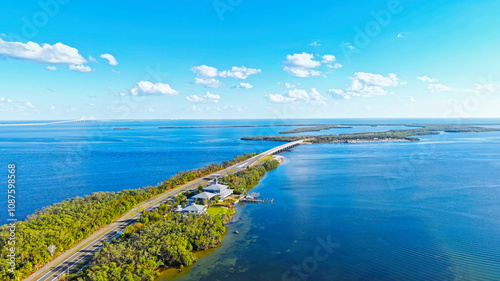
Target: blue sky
249, 59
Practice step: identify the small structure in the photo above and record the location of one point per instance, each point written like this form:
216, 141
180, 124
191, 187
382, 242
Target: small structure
193, 209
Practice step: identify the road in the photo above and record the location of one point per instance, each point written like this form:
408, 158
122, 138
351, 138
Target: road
63, 263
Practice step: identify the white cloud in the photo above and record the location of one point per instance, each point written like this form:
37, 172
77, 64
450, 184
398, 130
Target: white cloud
57, 53
210, 82
298, 95
279, 98
52, 68
245, 86
239, 72
426, 78
301, 65
315, 44
110, 58
329, 58
146, 88
400, 35
331, 61
439, 88
205, 71
242, 72
195, 98
80, 68
115, 71
367, 85
204, 99
302, 60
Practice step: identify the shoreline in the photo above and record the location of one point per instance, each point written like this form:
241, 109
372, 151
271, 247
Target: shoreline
172, 272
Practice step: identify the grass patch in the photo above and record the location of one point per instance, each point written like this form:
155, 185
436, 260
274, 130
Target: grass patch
264, 159
216, 210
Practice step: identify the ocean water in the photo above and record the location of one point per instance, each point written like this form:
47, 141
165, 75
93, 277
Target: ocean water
427, 210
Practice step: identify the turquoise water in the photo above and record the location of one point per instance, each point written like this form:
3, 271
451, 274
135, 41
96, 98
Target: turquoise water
424, 210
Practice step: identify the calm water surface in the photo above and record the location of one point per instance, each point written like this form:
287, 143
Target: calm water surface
426, 210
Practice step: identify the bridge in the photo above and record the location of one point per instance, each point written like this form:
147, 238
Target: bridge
61, 265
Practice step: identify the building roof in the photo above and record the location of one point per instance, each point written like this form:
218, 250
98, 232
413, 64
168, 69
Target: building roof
194, 208
216, 187
205, 195
226, 192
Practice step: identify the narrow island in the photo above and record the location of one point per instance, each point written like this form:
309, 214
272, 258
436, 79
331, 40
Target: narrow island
314, 129
385, 136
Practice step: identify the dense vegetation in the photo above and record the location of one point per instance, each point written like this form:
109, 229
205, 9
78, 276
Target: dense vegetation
312, 129
163, 238
408, 134
67, 223
242, 181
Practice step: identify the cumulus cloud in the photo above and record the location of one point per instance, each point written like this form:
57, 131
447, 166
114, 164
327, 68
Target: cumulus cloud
426, 78
80, 68
146, 88
205, 71
331, 61
315, 44
110, 58
329, 58
439, 88
301, 65
298, 95
367, 85
51, 68
115, 71
245, 86
207, 74
235, 72
208, 82
239, 72
204, 99
45, 53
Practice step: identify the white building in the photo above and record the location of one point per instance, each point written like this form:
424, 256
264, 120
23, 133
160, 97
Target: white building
193, 209
218, 189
